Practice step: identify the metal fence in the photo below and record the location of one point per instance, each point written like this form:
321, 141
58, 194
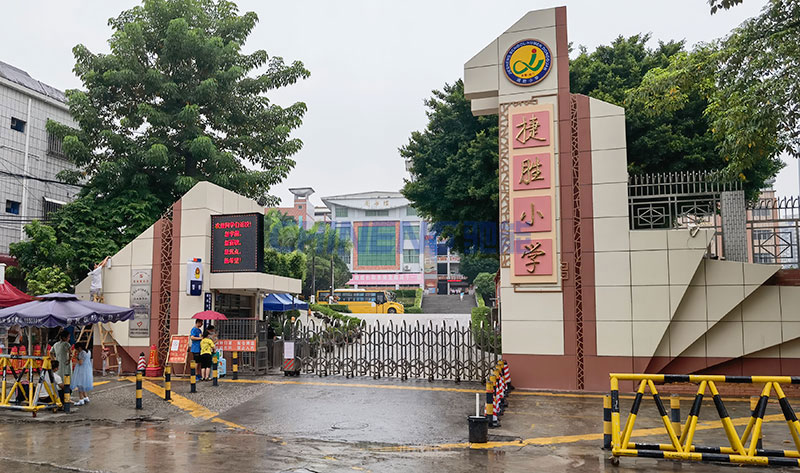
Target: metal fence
694, 199
263, 359
428, 351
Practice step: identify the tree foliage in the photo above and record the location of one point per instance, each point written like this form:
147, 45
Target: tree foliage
717, 5
473, 264
454, 168
176, 102
47, 280
484, 284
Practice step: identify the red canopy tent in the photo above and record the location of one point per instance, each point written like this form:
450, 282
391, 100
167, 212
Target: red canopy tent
10, 295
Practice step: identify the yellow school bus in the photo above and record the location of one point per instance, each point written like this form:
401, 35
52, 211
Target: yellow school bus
361, 301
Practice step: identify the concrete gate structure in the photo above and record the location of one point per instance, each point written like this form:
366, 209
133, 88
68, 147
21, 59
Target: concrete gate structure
581, 294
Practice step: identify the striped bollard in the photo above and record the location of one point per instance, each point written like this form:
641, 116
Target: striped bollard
675, 413
167, 383
139, 390
753, 405
67, 393
607, 422
489, 410
214, 371
193, 377
235, 366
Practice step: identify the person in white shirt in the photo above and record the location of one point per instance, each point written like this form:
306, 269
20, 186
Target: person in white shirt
96, 286
56, 386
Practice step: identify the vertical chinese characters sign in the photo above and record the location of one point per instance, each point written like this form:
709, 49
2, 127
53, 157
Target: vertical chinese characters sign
237, 243
139, 326
532, 194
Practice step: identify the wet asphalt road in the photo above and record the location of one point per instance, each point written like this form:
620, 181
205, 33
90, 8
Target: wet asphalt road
311, 424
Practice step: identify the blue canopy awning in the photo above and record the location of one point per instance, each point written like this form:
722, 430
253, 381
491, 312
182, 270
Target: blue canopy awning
283, 302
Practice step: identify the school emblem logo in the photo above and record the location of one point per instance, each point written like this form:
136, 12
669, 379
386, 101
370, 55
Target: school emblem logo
527, 62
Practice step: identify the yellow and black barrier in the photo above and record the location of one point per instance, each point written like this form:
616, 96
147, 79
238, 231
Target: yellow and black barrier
167, 383
22, 393
681, 437
138, 390
235, 366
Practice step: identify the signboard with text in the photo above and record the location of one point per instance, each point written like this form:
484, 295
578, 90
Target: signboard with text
532, 194
237, 243
139, 325
178, 347
237, 345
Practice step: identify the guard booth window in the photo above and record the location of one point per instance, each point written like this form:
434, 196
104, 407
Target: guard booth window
235, 306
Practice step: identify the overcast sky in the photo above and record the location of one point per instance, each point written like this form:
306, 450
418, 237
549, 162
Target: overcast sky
372, 63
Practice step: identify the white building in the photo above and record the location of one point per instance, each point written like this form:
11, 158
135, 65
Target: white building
30, 158
389, 247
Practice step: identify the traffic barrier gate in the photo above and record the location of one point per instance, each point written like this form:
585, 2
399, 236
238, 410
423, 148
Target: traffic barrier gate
681, 446
25, 395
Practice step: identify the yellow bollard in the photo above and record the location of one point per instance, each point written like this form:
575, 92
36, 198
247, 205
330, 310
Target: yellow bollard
675, 413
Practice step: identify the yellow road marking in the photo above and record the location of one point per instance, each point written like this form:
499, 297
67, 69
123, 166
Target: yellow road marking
559, 439
100, 383
192, 408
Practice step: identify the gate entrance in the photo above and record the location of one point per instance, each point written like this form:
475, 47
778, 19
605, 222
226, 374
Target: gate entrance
443, 351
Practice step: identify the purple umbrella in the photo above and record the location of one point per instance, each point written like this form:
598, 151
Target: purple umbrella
62, 310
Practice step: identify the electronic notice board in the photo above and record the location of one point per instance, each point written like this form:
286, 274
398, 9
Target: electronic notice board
237, 243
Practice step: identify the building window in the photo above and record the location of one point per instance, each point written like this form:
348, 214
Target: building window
410, 256
377, 213
54, 144
49, 206
411, 232
376, 246
341, 211
12, 207
344, 255
411, 211
18, 125
763, 258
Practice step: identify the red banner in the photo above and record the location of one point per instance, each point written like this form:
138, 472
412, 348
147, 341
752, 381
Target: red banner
236, 345
178, 347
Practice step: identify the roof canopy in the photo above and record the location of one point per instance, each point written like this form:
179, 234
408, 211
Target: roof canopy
11, 296
283, 302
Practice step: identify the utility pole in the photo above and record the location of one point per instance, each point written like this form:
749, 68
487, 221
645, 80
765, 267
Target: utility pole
314, 275
332, 284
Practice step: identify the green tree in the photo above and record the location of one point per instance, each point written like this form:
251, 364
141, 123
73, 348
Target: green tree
41, 250
323, 273
454, 168
484, 284
47, 280
717, 5
473, 264
176, 102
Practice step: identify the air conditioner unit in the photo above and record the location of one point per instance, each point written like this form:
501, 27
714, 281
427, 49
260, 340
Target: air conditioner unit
406, 267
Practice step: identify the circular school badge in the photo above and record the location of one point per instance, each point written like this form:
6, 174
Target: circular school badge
527, 62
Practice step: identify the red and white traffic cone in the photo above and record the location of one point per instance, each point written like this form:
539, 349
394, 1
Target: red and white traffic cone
507, 376
141, 366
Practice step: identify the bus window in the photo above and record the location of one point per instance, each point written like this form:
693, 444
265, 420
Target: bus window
380, 298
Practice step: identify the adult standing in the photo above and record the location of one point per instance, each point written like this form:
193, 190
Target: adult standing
96, 286
60, 352
195, 336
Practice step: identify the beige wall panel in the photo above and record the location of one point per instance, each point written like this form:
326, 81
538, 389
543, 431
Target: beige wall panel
648, 240
724, 273
683, 334
758, 273
663, 346
608, 132
614, 339
142, 253
762, 305
722, 299
230, 202
533, 337
649, 268
612, 303
697, 349
120, 334
123, 256
651, 303
215, 199
117, 279
534, 20
196, 222
196, 198
725, 339
610, 165
487, 106
790, 349
196, 247
611, 234
682, 239
220, 280
480, 82
532, 305
699, 278
761, 335
647, 336
683, 264
147, 233
790, 330
612, 268
771, 352
691, 305
599, 108
488, 56
790, 303
610, 200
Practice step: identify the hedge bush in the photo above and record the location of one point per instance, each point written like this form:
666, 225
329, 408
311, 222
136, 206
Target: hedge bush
485, 335
405, 293
413, 310
348, 321
340, 308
